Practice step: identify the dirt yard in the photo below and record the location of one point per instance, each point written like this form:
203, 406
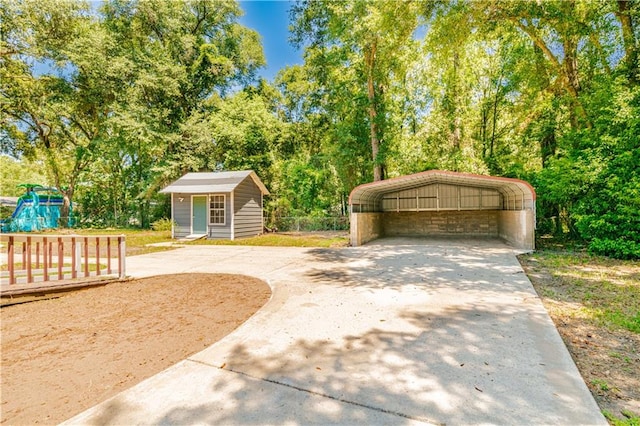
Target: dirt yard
63, 355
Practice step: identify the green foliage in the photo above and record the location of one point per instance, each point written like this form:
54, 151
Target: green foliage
619, 249
630, 419
136, 93
15, 172
607, 214
305, 186
163, 224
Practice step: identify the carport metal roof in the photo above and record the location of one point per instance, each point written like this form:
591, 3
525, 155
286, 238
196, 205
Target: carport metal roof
517, 194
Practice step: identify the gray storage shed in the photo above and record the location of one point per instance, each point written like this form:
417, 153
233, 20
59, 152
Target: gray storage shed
221, 205
439, 203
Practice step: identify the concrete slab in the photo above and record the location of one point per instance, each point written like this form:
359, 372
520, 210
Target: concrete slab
399, 331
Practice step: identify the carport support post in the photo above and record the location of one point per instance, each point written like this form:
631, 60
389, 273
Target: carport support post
365, 227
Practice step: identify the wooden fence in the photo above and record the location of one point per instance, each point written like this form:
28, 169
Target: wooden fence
34, 258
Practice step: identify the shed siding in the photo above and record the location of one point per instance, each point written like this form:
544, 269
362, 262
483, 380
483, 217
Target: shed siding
181, 215
248, 209
221, 232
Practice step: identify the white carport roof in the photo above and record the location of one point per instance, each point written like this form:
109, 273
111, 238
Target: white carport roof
369, 194
207, 183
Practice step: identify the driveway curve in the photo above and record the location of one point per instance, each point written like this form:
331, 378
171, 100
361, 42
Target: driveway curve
399, 331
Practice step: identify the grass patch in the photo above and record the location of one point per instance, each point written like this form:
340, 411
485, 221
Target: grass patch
137, 240
629, 419
605, 291
284, 240
594, 302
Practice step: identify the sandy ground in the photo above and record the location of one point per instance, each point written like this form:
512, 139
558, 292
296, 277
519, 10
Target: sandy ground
63, 355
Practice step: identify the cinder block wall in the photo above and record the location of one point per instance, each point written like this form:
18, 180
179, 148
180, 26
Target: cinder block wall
365, 227
468, 222
518, 228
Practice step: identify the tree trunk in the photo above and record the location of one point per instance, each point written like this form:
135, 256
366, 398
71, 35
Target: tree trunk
571, 70
547, 147
65, 211
629, 41
456, 135
494, 121
567, 71
370, 61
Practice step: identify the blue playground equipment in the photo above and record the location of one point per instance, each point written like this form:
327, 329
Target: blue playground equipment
37, 209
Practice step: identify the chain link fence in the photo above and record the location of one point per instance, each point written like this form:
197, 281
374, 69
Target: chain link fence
308, 223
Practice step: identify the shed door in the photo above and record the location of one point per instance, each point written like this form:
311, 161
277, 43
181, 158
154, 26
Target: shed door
199, 214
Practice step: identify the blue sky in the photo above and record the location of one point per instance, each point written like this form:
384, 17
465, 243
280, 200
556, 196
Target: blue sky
271, 20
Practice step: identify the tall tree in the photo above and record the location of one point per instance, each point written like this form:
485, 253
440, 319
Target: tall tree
628, 13
50, 105
360, 44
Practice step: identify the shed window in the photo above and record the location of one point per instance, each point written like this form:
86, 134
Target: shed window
216, 209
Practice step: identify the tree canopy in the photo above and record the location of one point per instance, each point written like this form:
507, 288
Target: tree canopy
113, 101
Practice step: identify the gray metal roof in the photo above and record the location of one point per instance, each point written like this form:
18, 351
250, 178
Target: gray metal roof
207, 183
8, 201
369, 195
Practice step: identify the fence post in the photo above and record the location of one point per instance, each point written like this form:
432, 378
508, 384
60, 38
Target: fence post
86, 256
24, 255
46, 258
122, 249
10, 260
75, 255
60, 258
28, 265
108, 255
97, 255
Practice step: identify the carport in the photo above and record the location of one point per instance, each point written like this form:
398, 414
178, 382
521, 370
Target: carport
442, 203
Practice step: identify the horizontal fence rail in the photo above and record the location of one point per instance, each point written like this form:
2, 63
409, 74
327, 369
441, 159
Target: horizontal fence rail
41, 258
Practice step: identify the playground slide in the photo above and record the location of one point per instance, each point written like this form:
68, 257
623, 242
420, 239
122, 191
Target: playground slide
34, 214
18, 209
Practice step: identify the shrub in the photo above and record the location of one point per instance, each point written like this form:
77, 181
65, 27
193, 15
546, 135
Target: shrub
619, 249
163, 224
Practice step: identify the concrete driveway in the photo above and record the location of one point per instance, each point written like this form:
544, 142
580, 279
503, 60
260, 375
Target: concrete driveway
395, 332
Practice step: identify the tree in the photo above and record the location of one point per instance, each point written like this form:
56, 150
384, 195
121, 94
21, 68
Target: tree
14, 173
360, 46
123, 88
184, 58
56, 114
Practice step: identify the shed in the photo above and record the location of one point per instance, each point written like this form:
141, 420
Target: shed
442, 203
221, 205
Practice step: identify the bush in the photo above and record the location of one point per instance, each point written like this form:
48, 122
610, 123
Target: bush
619, 249
163, 224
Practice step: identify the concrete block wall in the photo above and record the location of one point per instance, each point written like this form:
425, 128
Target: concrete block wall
426, 223
518, 228
365, 227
